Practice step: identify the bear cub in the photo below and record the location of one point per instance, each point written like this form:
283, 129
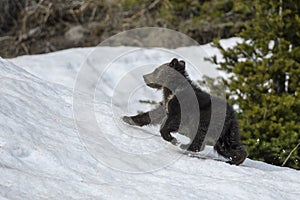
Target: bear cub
173, 79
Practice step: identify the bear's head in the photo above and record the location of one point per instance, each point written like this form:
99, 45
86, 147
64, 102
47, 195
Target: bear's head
166, 75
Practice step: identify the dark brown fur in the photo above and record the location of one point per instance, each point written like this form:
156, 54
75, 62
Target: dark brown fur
170, 116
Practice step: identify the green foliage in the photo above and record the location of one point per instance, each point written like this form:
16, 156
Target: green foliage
265, 81
213, 86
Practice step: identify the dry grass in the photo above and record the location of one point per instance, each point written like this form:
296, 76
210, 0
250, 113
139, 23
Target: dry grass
39, 26
9, 10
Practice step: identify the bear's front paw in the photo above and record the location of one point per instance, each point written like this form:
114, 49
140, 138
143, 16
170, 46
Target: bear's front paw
194, 148
128, 120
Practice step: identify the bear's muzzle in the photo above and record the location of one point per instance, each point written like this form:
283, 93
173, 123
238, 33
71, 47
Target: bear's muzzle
149, 82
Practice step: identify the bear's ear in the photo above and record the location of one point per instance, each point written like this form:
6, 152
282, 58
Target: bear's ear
182, 63
173, 63
180, 67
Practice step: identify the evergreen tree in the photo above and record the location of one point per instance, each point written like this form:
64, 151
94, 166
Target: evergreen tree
213, 86
264, 81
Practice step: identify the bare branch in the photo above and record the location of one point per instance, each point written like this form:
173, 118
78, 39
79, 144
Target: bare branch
294, 149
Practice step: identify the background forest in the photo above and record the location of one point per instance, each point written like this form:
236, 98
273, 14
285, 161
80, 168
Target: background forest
264, 70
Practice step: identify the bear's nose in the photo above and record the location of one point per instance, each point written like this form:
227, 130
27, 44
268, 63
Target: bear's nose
145, 78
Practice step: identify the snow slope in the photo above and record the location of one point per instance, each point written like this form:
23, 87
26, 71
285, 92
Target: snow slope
43, 154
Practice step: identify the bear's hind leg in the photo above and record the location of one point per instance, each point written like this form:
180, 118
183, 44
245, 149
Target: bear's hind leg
229, 144
236, 156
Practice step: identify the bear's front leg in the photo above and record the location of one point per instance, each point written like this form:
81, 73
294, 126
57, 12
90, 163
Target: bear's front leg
166, 128
152, 117
196, 144
138, 120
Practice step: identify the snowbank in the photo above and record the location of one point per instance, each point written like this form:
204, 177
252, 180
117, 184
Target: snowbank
43, 156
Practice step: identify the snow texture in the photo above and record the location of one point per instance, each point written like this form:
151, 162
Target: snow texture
43, 155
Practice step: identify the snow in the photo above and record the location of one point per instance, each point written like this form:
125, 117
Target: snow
45, 155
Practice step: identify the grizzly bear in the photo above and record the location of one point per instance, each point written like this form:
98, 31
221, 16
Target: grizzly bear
185, 107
